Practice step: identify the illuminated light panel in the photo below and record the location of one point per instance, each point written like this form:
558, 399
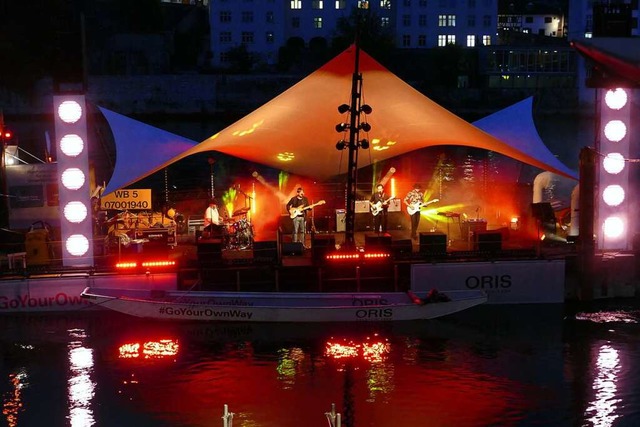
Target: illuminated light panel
71, 145
343, 256
616, 99
69, 112
613, 163
158, 263
613, 227
615, 130
125, 265
72, 178
613, 195
75, 212
286, 156
377, 255
77, 244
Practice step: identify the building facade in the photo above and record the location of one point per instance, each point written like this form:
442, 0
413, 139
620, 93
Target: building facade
263, 26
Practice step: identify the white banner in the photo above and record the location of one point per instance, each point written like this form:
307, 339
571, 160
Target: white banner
505, 282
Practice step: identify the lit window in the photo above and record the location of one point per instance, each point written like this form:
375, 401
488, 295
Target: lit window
451, 39
385, 4
296, 4
317, 4
471, 40
341, 4
442, 40
442, 20
486, 40
317, 22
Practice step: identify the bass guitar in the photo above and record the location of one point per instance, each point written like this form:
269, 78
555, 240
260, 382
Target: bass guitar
295, 211
415, 207
376, 208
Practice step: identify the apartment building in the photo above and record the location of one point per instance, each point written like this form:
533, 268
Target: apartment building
263, 26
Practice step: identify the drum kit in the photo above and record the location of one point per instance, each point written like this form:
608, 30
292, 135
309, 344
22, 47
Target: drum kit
238, 234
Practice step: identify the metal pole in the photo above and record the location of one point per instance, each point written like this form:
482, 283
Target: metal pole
352, 165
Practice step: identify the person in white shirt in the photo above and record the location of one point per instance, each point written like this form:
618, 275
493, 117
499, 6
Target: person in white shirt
212, 219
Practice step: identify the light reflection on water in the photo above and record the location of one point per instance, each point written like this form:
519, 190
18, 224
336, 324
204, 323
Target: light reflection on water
496, 366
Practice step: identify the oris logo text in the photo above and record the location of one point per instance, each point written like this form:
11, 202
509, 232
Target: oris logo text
488, 282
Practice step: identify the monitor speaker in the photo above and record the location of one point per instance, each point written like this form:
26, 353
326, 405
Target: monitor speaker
265, 251
321, 244
377, 242
402, 249
488, 241
292, 248
433, 244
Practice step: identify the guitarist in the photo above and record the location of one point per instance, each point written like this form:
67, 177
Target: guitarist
299, 222
414, 199
379, 205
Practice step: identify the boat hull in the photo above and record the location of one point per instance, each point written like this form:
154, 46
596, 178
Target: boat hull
280, 307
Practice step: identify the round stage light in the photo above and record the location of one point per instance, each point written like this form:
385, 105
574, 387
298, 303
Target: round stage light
613, 163
615, 130
69, 112
75, 212
613, 227
71, 145
77, 244
72, 178
615, 98
613, 195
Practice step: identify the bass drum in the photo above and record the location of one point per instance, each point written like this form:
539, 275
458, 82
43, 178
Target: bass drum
244, 238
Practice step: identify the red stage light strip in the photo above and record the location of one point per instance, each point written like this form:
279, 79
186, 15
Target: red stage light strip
357, 256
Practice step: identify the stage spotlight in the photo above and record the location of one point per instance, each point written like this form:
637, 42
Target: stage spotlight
341, 145
343, 108
365, 127
364, 143
341, 127
366, 108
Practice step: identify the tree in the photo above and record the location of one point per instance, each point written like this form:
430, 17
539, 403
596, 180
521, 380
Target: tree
375, 39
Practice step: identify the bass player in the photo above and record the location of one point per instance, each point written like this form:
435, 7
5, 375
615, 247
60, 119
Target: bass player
379, 203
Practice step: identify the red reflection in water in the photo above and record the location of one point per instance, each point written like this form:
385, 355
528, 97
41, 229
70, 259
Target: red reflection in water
149, 350
370, 351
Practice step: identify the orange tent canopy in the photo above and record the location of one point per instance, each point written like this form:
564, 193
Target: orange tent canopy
295, 132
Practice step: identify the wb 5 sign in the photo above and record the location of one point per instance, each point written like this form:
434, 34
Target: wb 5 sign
127, 200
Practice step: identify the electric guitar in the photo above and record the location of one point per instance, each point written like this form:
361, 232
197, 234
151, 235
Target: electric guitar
415, 207
376, 208
295, 211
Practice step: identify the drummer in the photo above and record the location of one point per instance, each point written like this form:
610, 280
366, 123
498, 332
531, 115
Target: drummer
212, 220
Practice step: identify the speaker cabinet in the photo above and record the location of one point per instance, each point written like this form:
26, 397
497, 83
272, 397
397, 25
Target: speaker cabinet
433, 244
321, 245
292, 248
265, 252
488, 241
402, 249
210, 252
377, 242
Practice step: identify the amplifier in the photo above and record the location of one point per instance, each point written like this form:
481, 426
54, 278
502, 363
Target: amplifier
362, 206
157, 235
395, 205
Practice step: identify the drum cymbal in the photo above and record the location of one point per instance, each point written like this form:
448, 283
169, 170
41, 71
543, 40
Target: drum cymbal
241, 211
